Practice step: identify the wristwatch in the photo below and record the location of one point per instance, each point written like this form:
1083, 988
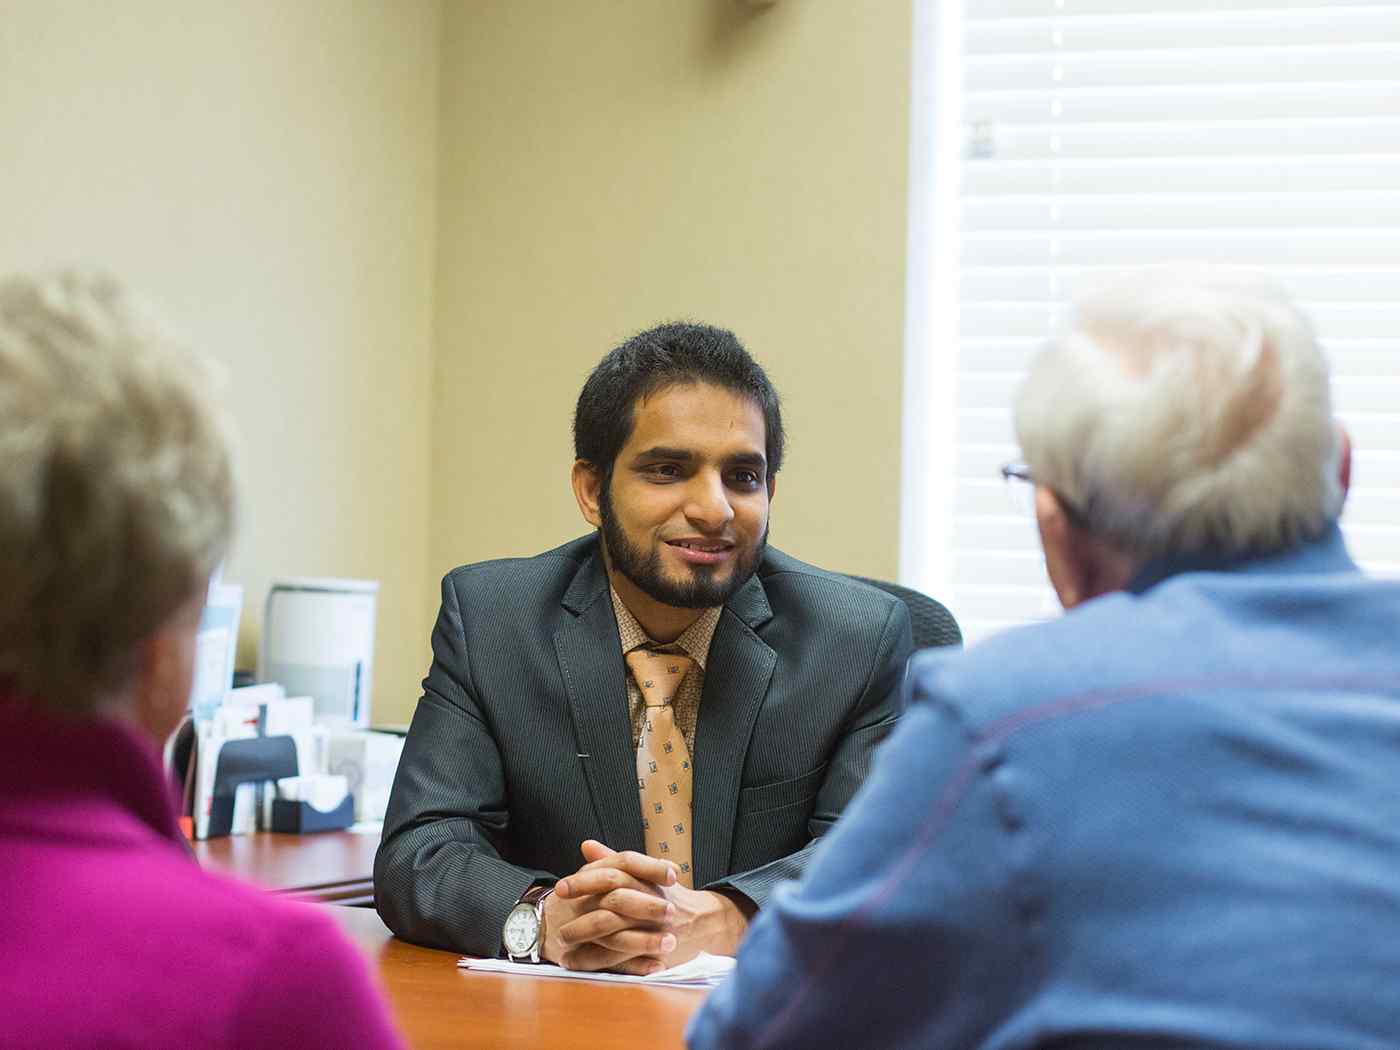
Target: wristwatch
523, 935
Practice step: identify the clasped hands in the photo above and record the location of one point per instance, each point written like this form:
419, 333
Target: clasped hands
627, 913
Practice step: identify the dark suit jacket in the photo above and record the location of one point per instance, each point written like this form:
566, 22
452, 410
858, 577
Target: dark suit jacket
521, 746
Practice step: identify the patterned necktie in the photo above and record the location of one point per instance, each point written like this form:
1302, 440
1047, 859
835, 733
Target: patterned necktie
663, 763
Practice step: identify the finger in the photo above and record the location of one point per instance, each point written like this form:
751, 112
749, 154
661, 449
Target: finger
648, 906
593, 850
590, 927
566, 910
651, 913
638, 865
641, 966
639, 942
592, 957
599, 881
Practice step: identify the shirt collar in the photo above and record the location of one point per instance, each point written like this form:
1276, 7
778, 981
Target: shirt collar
694, 640
1326, 554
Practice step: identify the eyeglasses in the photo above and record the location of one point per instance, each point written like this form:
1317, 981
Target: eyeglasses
1021, 485
1020, 488
1017, 472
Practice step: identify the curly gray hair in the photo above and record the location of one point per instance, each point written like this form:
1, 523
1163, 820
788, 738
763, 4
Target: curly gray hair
117, 488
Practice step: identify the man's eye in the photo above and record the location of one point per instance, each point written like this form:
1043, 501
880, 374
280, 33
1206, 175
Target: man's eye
666, 470
746, 478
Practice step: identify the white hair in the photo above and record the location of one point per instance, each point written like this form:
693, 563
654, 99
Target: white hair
1187, 409
116, 486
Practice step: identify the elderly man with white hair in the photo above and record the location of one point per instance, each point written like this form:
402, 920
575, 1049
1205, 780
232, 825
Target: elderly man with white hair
1170, 818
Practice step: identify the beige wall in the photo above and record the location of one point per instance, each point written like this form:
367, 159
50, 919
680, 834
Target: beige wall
266, 170
608, 166
298, 183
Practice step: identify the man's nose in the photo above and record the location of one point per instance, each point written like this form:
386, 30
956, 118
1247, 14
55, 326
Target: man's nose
707, 506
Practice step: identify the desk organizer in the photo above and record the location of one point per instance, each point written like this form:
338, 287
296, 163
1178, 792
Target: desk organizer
301, 818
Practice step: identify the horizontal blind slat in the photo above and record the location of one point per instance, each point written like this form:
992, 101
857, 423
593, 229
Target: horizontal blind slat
1279, 100
1030, 320
1358, 359
981, 11
1270, 173
1031, 283
1172, 210
1006, 568
1168, 28
1341, 136
1233, 247
1361, 61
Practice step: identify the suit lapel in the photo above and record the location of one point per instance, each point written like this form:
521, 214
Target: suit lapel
737, 673
590, 660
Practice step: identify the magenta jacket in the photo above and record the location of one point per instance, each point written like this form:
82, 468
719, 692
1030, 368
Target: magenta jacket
112, 936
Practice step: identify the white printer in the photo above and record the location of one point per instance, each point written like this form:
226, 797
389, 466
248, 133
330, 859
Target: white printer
318, 641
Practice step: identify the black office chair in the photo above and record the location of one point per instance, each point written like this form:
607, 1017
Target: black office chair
931, 622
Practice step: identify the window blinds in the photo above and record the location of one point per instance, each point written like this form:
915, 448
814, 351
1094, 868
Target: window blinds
1095, 134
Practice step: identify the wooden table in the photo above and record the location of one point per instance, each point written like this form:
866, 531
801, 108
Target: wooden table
438, 1005
326, 866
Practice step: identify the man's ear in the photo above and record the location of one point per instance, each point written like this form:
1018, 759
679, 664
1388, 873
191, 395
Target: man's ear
1080, 565
772, 486
1061, 549
588, 490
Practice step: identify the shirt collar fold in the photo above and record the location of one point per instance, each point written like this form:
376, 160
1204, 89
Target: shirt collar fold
694, 641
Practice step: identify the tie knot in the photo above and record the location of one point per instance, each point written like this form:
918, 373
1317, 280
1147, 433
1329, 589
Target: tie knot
658, 675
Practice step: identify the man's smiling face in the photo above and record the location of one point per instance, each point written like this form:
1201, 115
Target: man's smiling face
685, 518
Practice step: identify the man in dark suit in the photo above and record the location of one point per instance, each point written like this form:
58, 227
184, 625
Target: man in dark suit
625, 743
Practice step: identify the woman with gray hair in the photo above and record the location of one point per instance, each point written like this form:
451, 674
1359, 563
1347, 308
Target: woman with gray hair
116, 503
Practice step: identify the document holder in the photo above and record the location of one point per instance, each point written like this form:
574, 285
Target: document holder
301, 818
254, 759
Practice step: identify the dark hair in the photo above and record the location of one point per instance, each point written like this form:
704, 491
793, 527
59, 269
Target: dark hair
668, 355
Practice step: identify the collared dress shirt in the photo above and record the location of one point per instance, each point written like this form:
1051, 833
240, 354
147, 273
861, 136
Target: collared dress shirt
694, 642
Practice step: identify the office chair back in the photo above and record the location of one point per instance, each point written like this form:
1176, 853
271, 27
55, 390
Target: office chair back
931, 622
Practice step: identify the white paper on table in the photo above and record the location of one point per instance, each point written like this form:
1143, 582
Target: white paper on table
704, 971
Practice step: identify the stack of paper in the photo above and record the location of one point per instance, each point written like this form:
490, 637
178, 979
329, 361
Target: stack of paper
704, 971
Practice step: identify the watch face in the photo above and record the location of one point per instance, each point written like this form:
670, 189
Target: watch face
522, 927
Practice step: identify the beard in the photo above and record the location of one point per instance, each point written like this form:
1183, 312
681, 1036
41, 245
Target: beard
705, 589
